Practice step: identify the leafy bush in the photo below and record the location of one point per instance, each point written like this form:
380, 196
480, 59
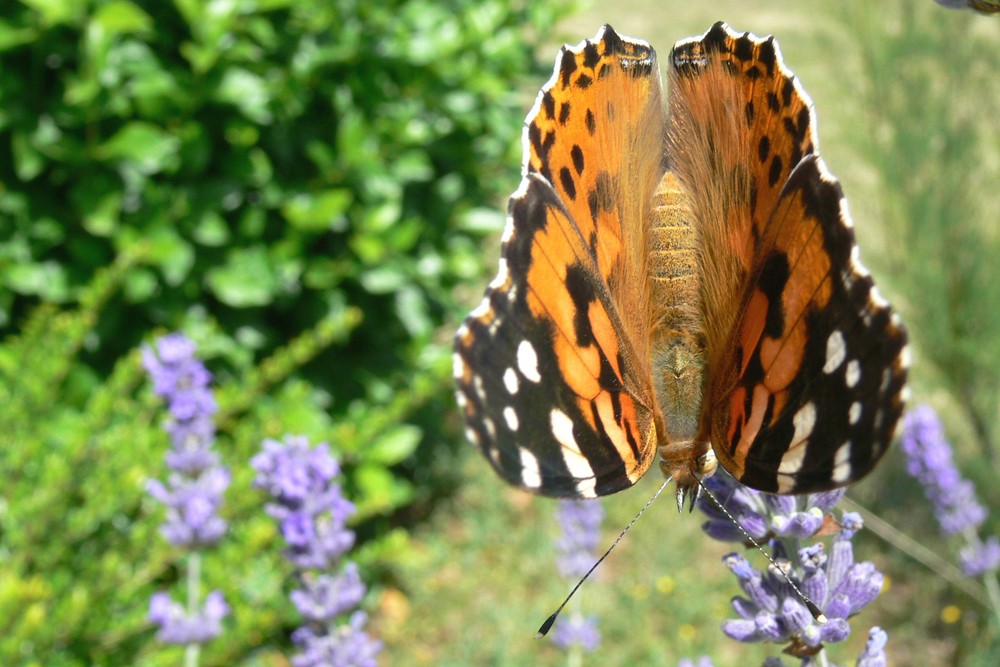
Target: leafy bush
299, 185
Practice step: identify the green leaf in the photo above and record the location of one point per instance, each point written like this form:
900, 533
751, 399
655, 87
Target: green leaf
103, 219
12, 37
149, 148
44, 279
320, 212
171, 253
121, 17
395, 445
54, 12
246, 279
28, 163
247, 92
379, 490
211, 230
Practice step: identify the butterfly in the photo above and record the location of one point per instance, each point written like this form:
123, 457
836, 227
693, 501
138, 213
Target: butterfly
678, 281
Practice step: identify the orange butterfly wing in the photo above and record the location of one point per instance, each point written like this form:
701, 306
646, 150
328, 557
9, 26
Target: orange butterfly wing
552, 368
808, 362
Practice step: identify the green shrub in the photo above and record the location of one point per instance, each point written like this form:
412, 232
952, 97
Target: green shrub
299, 186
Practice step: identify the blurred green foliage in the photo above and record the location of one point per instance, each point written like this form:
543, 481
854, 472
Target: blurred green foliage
930, 99
299, 186
931, 102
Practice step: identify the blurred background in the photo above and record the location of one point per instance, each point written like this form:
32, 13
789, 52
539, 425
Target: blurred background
312, 191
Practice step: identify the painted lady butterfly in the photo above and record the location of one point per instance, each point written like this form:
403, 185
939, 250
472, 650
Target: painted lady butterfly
682, 281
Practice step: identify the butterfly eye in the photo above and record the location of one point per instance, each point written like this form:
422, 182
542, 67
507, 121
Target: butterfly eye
706, 464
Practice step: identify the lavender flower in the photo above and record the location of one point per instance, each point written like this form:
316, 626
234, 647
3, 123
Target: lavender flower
873, 655
929, 459
182, 381
580, 521
762, 515
180, 626
978, 557
703, 661
770, 609
193, 492
577, 630
313, 514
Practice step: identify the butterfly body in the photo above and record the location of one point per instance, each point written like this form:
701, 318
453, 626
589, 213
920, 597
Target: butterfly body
678, 281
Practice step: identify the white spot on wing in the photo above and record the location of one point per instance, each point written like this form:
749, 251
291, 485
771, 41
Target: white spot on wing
472, 436
854, 413
477, 384
576, 463
876, 298
587, 488
457, 366
527, 361
905, 358
791, 462
502, 274
836, 351
856, 264
530, 475
562, 430
803, 422
491, 428
786, 483
510, 417
842, 464
510, 381
853, 373
481, 310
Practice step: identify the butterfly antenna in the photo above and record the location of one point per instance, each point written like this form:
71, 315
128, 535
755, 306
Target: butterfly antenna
813, 609
547, 625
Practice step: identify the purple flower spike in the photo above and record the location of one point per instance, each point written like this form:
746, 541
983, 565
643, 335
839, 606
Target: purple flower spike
703, 661
771, 609
580, 521
178, 626
873, 654
325, 597
313, 513
953, 499
192, 507
193, 492
348, 646
929, 459
578, 630
980, 557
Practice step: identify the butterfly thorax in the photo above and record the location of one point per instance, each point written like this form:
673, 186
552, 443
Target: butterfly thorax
678, 345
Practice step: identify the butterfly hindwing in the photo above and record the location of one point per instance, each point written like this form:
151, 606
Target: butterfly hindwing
810, 395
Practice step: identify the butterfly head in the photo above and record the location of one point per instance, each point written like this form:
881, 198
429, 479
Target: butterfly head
686, 464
